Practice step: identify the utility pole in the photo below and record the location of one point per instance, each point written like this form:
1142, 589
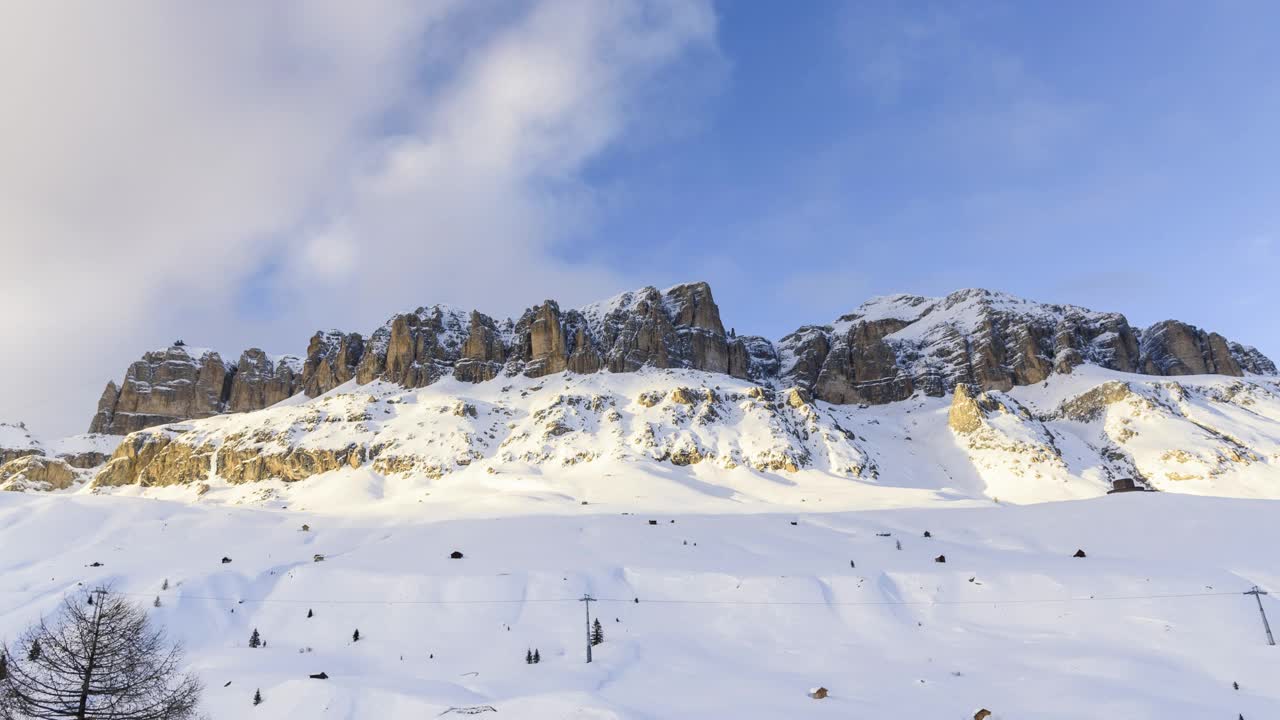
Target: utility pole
587, 599
1257, 594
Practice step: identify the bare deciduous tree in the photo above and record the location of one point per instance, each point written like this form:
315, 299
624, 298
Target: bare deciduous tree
98, 662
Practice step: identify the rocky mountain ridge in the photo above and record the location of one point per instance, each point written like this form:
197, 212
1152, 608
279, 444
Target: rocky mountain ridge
886, 350
706, 435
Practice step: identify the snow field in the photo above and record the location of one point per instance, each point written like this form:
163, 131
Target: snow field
739, 622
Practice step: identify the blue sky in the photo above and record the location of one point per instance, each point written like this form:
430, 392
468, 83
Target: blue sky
1121, 156
243, 175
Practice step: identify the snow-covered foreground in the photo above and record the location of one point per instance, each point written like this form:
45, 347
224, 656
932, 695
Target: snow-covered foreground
738, 614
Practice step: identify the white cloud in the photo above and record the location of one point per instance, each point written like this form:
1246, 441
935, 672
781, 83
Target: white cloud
351, 158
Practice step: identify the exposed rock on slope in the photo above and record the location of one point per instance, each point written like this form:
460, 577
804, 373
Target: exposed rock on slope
1069, 437
25, 464
887, 350
36, 472
392, 431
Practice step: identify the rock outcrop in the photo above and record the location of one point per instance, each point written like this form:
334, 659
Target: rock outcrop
1176, 348
967, 410
36, 472
151, 458
887, 350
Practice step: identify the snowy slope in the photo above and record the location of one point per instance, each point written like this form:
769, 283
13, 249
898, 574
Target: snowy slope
758, 529
738, 615
15, 437
715, 443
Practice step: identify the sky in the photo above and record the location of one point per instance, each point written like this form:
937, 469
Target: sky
243, 174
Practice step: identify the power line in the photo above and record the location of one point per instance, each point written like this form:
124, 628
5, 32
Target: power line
1016, 601
680, 601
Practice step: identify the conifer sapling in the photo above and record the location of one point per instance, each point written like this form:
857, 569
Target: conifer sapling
255, 640
355, 636
257, 697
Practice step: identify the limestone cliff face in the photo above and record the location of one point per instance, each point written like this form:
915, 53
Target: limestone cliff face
332, 358
260, 381
483, 352
678, 328
415, 349
1176, 348
753, 358
886, 350
164, 386
542, 340
895, 346
179, 383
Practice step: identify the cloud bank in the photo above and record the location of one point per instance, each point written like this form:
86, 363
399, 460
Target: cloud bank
251, 172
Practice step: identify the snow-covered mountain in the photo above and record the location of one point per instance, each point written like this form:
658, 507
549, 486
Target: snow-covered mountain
885, 350
703, 438
976, 395
869, 506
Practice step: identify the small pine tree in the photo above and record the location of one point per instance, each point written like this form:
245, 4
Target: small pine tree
91, 599
310, 614
257, 697
528, 657
255, 640
165, 585
4, 667
157, 601
898, 543
355, 636
537, 657
597, 633
34, 653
